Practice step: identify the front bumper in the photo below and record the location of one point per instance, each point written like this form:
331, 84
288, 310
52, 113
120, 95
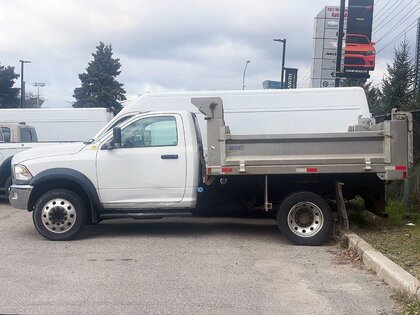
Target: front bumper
357, 61
19, 196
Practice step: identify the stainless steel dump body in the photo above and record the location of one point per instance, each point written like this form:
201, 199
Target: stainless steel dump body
384, 149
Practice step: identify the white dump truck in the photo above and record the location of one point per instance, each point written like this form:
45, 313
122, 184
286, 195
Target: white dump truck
151, 164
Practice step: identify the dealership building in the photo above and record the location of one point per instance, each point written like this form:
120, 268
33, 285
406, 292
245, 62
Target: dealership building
325, 47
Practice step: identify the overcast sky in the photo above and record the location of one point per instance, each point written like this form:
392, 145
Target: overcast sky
175, 45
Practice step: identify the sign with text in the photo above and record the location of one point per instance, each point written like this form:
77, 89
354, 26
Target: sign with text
291, 78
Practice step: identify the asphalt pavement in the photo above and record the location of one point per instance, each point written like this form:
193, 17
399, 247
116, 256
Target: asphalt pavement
179, 266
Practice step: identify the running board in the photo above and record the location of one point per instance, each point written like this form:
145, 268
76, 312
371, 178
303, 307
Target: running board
144, 214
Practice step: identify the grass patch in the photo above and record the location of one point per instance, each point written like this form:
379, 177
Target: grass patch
401, 245
398, 214
391, 236
410, 304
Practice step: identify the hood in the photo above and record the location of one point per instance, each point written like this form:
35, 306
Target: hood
359, 47
47, 150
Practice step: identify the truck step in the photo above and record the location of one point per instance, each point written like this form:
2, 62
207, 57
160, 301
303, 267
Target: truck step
144, 214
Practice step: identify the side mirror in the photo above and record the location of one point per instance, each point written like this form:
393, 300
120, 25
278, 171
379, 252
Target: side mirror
373, 43
116, 133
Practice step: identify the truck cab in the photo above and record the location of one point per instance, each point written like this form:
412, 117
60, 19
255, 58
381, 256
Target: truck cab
153, 163
17, 132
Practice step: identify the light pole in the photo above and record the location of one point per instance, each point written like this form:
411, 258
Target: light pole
22, 83
339, 44
243, 77
283, 58
38, 84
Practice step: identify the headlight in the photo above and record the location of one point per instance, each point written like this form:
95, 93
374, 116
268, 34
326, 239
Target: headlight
369, 53
21, 172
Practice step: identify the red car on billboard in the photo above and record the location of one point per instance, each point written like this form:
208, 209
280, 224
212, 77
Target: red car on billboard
359, 53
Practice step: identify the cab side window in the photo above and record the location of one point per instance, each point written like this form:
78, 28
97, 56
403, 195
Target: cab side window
150, 132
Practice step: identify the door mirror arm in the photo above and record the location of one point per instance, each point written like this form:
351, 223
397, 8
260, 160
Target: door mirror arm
116, 133
115, 142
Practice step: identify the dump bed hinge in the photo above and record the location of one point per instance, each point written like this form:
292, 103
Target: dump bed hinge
242, 167
368, 165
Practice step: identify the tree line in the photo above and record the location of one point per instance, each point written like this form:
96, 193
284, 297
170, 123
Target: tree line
397, 89
99, 87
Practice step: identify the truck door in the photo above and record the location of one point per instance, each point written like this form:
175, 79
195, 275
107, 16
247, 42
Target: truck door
148, 169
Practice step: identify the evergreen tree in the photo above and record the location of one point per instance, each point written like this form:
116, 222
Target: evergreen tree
398, 85
373, 94
99, 87
8, 94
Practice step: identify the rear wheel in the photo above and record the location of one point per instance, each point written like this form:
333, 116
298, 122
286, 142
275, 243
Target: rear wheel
305, 218
59, 215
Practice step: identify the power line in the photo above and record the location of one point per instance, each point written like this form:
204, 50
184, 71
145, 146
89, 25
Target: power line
390, 13
305, 82
389, 21
398, 36
305, 73
379, 12
395, 27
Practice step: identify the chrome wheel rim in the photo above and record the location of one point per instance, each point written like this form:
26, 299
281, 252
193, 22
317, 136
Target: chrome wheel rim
58, 215
305, 219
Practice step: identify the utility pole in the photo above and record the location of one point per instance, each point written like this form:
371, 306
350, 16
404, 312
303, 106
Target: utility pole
38, 84
243, 76
283, 58
22, 83
339, 44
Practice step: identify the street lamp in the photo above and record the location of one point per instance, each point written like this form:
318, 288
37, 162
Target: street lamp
243, 77
38, 84
283, 58
22, 83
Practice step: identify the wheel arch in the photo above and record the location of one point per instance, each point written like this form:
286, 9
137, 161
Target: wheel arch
5, 171
64, 178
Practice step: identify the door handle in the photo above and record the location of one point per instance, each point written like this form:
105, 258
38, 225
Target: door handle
169, 156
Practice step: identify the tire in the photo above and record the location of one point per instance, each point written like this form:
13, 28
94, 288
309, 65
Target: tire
59, 215
305, 218
7, 186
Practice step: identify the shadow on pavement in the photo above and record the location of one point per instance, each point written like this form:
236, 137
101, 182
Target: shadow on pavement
186, 227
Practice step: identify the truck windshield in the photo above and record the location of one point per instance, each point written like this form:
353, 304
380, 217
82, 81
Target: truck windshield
357, 40
116, 123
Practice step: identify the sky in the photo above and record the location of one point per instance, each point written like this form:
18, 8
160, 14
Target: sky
176, 45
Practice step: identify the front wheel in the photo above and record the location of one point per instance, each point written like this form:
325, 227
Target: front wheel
59, 215
7, 186
305, 218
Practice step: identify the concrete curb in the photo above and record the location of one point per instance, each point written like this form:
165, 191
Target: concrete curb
396, 277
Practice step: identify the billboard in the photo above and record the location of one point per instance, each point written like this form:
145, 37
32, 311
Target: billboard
360, 53
360, 17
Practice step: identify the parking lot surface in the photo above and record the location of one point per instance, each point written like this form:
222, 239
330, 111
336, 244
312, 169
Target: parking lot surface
178, 266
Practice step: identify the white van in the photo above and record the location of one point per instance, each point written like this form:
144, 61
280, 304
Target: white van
59, 124
269, 111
